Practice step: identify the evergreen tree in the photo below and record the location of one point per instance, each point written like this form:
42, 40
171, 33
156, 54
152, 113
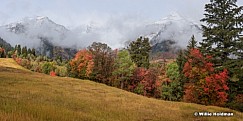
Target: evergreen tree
222, 30
33, 51
192, 44
223, 40
16, 47
139, 51
24, 51
18, 50
29, 51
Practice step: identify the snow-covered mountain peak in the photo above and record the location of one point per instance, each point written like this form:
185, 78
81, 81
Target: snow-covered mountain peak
39, 24
42, 18
31, 30
173, 27
173, 16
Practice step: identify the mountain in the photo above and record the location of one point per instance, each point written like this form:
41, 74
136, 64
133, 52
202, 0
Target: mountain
42, 26
173, 27
44, 34
171, 34
5, 45
36, 28
40, 33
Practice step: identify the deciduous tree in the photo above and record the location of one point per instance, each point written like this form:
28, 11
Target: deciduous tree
205, 85
82, 64
103, 58
123, 67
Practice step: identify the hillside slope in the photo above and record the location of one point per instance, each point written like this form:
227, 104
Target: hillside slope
29, 96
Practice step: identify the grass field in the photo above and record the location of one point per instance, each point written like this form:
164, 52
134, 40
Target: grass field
29, 96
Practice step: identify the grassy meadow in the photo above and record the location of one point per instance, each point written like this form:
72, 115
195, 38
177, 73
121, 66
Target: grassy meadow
30, 96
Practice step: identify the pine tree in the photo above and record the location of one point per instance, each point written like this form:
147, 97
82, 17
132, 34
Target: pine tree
223, 40
24, 51
33, 51
139, 51
29, 51
222, 30
16, 47
192, 43
19, 50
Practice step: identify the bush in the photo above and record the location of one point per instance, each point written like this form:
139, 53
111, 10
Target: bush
47, 67
52, 73
61, 71
237, 103
35, 66
173, 91
139, 89
25, 63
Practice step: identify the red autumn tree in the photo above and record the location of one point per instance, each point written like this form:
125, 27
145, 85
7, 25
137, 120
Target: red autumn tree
82, 64
204, 86
214, 89
145, 81
150, 83
138, 76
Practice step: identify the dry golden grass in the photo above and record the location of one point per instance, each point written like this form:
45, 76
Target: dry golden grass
29, 96
9, 62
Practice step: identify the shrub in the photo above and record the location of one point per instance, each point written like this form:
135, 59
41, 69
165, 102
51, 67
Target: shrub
61, 71
47, 67
172, 91
52, 73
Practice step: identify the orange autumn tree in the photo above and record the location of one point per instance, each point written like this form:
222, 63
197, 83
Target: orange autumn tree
82, 64
205, 86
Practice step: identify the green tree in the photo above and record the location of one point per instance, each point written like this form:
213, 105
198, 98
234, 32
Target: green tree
29, 51
222, 29
172, 91
223, 39
123, 67
24, 51
19, 50
139, 51
47, 67
33, 51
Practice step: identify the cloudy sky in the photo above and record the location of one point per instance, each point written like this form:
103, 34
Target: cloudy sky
119, 20
76, 12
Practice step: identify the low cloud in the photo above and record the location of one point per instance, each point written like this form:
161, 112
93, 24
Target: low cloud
112, 30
